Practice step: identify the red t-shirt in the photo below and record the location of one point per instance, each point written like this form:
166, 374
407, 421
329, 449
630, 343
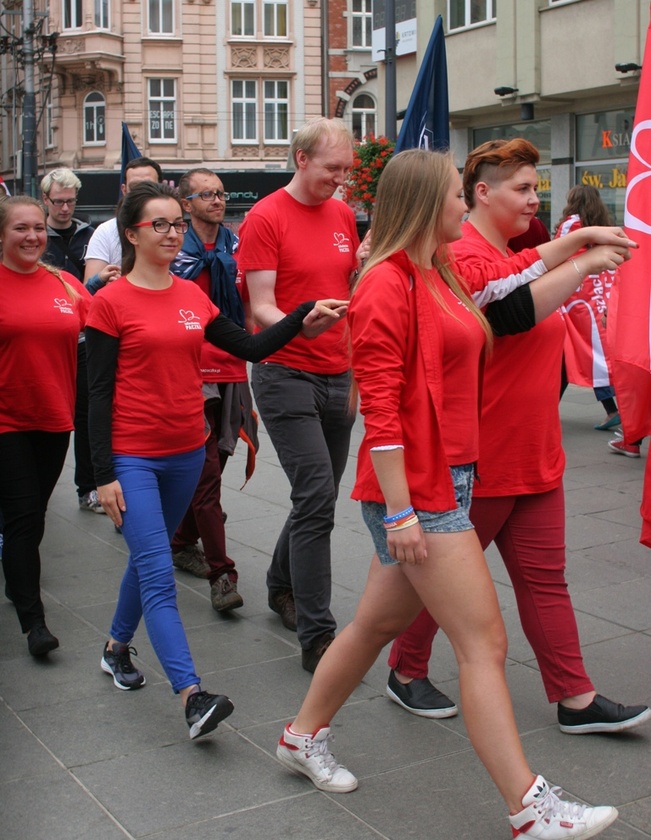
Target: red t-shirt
217, 365
312, 250
157, 402
40, 324
520, 447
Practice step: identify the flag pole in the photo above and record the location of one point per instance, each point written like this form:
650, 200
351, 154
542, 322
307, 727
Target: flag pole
390, 107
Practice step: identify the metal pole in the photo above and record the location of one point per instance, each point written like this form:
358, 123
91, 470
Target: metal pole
390, 69
29, 102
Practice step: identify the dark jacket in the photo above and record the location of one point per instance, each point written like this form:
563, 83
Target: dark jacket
73, 259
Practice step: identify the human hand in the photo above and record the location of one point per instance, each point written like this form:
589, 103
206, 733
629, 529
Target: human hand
112, 500
407, 545
596, 235
109, 273
603, 258
323, 315
364, 248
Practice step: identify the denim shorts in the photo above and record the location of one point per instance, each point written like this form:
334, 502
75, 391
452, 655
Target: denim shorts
432, 522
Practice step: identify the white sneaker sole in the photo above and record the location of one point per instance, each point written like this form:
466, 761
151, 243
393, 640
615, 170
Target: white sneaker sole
621, 726
287, 759
438, 714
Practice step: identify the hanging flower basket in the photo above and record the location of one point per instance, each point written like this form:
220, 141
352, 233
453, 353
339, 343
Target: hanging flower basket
370, 157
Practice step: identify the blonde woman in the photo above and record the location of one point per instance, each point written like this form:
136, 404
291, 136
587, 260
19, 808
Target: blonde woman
417, 344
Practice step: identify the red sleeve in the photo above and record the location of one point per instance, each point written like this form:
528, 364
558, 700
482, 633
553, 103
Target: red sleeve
378, 318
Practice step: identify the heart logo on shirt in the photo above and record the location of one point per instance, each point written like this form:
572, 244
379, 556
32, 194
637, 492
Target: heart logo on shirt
61, 302
187, 315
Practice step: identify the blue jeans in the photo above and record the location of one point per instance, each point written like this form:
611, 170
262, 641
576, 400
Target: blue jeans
157, 493
308, 421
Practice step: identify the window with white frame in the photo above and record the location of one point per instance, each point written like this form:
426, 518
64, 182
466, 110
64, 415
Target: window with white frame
160, 17
275, 18
243, 17
464, 13
162, 110
94, 119
72, 14
276, 111
103, 14
364, 116
244, 103
362, 20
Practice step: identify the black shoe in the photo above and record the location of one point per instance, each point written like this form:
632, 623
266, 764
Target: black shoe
602, 715
311, 657
283, 604
117, 662
40, 641
204, 711
421, 698
8, 593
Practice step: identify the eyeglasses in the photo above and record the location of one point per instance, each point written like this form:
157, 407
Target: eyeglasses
163, 226
59, 202
210, 195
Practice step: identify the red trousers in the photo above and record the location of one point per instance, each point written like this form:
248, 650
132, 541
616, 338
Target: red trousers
204, 517
529, 532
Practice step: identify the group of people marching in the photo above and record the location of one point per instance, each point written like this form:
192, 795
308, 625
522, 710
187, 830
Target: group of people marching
455, 345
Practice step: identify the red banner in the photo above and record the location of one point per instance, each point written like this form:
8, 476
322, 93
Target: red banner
632, 340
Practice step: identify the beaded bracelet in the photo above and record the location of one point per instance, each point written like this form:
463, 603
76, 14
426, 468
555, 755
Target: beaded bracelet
396, 516
407, 523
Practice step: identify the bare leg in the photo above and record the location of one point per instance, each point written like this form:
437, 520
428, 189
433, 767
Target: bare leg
457, 589
455, 586
388, 605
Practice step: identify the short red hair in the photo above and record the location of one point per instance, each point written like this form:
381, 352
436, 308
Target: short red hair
501, 158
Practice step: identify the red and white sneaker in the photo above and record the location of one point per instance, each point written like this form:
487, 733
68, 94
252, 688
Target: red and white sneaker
310, 756
631, 450
546, 817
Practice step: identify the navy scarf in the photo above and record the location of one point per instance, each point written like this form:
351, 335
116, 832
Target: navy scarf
193, 258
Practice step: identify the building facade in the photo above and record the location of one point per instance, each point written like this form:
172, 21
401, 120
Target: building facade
562, 73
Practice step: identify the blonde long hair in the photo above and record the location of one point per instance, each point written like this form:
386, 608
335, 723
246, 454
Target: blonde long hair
28, 201
409, 214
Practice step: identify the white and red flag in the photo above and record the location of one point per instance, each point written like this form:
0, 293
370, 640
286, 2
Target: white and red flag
631, 297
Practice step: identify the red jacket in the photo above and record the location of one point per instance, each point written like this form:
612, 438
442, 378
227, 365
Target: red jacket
395, 327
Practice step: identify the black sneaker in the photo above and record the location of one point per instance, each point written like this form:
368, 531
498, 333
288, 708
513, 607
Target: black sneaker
283, 604
602, 715
40, 641
204, 711
117, 662
311, 657
421, 698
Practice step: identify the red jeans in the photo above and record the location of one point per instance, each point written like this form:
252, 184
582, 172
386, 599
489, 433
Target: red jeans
204, 517
529, 532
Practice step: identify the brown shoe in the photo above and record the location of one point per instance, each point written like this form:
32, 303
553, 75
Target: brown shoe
191, 559
283, 604
311, 657
224, 595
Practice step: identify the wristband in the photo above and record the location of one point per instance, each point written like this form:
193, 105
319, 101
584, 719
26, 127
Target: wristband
411, 520
396, 516
577, 269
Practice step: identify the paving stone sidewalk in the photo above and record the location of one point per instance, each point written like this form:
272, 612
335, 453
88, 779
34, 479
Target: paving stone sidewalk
80, 760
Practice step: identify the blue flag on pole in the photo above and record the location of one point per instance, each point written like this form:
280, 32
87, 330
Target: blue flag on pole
427, 121
129, 151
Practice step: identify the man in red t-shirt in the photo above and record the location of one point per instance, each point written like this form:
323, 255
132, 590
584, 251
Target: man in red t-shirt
299, 244
206, 258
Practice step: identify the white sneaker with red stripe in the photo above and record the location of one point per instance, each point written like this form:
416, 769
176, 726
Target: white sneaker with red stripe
546, 817
309, 755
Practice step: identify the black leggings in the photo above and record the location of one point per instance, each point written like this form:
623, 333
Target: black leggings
30, 466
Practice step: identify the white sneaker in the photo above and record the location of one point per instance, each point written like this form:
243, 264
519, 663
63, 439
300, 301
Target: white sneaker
90, 501
309, 755
547, 817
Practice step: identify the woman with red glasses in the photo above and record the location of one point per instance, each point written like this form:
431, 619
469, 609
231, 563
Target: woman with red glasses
144, 336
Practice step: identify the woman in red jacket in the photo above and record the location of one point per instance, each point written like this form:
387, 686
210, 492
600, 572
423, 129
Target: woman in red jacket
417, 345
519, 502
42, 311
